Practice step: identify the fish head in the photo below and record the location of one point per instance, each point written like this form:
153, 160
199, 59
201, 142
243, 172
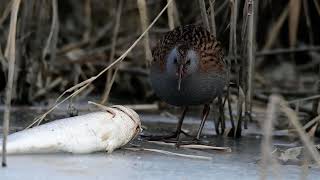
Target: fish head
133, 116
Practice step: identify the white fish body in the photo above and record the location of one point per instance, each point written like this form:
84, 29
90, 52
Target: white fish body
97, 131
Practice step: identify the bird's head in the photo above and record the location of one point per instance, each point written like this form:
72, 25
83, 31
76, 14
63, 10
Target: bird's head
182, 62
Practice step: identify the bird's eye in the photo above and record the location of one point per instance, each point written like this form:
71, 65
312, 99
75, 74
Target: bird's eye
188, 62
175, 61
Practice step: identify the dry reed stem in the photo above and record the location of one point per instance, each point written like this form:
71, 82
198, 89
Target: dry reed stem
111, 76
230, 109
233, 49
220, 9
88, 22
251, 56
144, 24
317, 5
170, 153
308, 22
266, 154
233, 34
241, 98
287, 50
109, 86
11, 56
171, 16
297, 107
233, 27
82, 85
73, 88
243, 66
204, 15
312, 122
6, 13
304, 99
275, 30
293, 118
294, 14
212, 18
316, 103
51, 44
176, 14
3, 60
99, 106
231, 53
244, 27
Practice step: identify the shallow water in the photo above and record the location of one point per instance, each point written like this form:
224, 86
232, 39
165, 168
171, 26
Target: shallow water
242, 162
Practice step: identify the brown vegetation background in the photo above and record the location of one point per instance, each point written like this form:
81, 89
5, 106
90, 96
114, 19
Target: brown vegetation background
58, 47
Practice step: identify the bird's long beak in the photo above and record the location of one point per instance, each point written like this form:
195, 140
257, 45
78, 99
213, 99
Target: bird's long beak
180, 71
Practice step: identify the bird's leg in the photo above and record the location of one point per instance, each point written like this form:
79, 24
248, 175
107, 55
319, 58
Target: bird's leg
216, 125
230, 113
176, 134
216, 120
179, 125
221, 115
205, 113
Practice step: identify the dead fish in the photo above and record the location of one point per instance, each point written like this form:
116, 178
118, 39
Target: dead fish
97, 131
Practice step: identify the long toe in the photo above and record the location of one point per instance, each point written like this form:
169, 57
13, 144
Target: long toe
185, 133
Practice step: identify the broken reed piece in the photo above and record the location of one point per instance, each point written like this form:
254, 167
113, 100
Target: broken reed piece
10, 54
205, 147
195, 146
171, 153
144, 107
106, 130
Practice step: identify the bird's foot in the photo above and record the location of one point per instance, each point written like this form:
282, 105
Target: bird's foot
194, 141
185, 133
168, 138
155, 137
